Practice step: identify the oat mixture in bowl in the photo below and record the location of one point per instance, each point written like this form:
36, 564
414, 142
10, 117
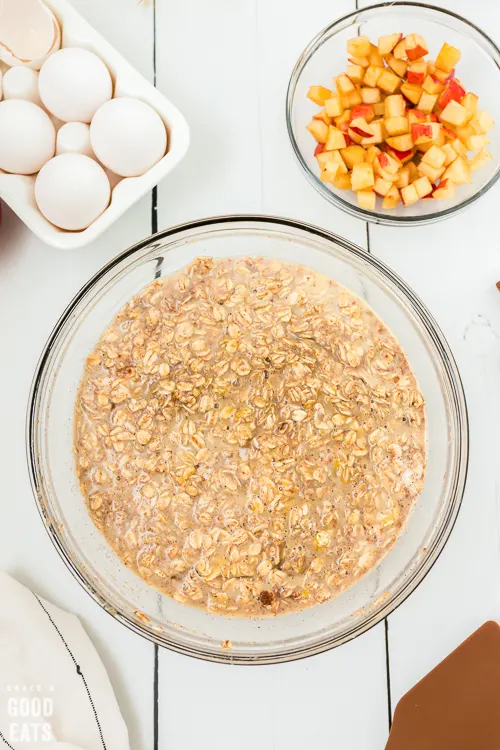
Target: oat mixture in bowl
268, 627
249, 436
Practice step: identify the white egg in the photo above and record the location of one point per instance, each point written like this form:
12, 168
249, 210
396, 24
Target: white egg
29, 32
21, 83
74, 83
74, 138
128, 136
27, 137
72, 191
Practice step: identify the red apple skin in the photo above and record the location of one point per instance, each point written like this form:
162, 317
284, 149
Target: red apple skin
452, 75
420, 115
452, 91
361, 132
429, 195
382, 159
415, 77
319, 149
362, 110
416, 52
347, 140
418, 129
399, 154
433, 117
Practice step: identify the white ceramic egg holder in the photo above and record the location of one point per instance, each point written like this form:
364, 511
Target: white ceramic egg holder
18, 190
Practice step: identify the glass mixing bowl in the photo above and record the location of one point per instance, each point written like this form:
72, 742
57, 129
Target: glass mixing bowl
326, 56
84, 550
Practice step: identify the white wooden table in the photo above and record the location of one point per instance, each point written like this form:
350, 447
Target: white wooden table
225, 64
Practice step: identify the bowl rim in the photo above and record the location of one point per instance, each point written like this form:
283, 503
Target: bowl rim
374, 217
417, 574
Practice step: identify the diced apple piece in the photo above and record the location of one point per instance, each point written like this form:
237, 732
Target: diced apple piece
392, 198
355, 138
334, 106
319, 95
470, 101
437, 141
459, 147
394, 106
415, 115
458, 171
465, 132
359, 46
449, 134
416, 47
355, 73
482, 122
375, 57
324, 116
319, 149
370, 95
342, 181
423, 186
454, 114
454, 91
363, 110
401, 142
329, 171
477, 142
343, 121
417, 72
362, 176
361, 127
362, 61
381, 186
372, 75
319, 130
388, 81
401, 156
449, 152
379, 109
479, 160
323, 157
432, 85
435, 156
344, 84
353, 155
398, 66
367, 199
409, 195
399, 51
414, 175
387, 162
371, 154
336, 156
427, 102
387, 43
445, 190
433, 173
423, 132
336, 139
396, 125
354, 98
403, 177
448, 57
412, 92
378, 133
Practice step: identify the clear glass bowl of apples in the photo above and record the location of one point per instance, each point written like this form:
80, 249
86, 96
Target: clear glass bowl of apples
391, 113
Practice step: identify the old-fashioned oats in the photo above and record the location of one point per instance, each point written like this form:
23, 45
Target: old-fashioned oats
249, 436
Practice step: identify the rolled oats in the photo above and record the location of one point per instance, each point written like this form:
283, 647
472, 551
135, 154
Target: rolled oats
249, 436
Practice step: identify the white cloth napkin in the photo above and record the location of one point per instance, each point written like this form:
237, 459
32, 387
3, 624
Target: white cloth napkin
54, 691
